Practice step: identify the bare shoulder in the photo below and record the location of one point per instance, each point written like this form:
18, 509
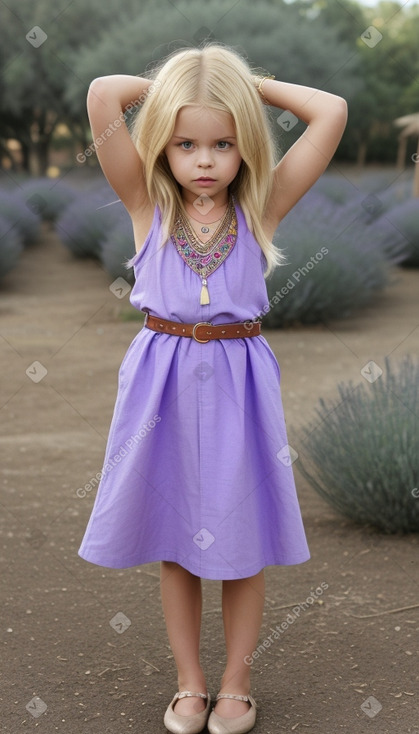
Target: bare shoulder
142, 219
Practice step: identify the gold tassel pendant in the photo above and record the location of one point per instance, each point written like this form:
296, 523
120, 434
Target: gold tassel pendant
204, 293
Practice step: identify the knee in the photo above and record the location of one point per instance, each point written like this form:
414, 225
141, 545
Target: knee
258, 576
173, 566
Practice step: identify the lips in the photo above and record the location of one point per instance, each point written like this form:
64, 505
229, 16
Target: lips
204, 178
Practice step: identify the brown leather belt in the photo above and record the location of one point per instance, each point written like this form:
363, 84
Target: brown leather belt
203, 331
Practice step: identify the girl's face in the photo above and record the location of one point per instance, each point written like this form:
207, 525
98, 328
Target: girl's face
203, 145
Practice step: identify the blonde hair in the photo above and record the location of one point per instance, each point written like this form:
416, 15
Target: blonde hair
215, 77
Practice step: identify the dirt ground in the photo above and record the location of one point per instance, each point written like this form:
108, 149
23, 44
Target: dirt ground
347, 662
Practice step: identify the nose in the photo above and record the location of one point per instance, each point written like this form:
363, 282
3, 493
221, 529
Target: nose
205, 158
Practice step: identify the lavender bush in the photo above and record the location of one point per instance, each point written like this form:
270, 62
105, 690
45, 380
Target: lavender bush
46, 196
396, 193
375, 181
337, 188
26, 221
87, 220
364, 451
405, 218
336, 262
378, 204
10, 245
117, 247
377, 192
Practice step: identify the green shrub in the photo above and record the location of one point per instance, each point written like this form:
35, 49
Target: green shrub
364, 451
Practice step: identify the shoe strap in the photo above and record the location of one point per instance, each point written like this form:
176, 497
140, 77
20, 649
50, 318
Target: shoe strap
183, 694
232, 695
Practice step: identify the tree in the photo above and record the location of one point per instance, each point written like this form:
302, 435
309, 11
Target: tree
271, 36
36, 66
44, 80
388, 66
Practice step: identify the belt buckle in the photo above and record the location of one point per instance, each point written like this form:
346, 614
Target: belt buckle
200, 323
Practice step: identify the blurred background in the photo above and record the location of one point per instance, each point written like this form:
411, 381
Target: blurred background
44, 80
51, 51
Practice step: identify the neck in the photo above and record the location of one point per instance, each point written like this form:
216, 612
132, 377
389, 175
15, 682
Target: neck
218, 201
203, 210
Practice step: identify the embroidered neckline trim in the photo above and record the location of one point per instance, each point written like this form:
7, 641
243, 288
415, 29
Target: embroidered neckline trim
219, 246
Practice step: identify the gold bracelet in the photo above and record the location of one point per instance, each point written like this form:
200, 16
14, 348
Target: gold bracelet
260, 90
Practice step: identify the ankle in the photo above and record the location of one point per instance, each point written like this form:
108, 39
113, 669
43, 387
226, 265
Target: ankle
235, 684
195, 683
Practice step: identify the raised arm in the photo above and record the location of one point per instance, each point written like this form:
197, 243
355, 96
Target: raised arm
108, 97
326, 116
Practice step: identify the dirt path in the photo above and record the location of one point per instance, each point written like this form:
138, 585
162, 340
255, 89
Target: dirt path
60, 641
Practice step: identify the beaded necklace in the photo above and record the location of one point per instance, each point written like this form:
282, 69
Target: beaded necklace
205, 257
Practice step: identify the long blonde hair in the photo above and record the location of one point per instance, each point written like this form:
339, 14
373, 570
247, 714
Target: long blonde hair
215, 77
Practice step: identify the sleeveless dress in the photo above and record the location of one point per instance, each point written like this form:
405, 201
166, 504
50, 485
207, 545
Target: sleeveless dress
197, 468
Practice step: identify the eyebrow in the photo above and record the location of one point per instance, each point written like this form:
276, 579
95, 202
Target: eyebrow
193, 140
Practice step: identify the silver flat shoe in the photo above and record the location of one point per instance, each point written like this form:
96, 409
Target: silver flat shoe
236, 725
193, 724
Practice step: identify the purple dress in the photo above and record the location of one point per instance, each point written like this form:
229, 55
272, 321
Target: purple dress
196, 468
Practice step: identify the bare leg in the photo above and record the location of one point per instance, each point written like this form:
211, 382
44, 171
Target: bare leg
242, 603
181, 595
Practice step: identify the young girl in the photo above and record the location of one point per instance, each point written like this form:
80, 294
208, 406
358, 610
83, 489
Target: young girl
197, 472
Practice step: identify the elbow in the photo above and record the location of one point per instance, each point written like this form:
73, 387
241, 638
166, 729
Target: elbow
340, 109
98, 81
334, 106
334, 101
342, 115
95, 82
342, 105
95, 91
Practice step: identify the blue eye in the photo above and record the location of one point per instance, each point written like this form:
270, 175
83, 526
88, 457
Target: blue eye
223, 145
